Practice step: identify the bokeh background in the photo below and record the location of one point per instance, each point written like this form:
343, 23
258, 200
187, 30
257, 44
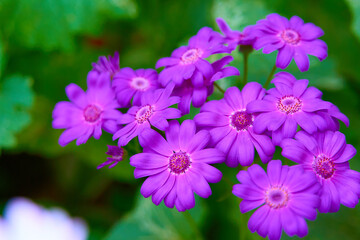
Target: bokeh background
48, 44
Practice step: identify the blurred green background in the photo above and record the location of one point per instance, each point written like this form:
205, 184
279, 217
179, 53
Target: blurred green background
47, 44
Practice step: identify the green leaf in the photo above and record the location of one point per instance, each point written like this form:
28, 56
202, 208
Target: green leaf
157, 222
354, 6
52, 24
16, 98
1, 57
239, 14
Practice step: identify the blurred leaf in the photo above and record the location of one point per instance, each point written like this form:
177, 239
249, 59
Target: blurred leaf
1, 57
16, 98
149, 221
239, 14
52, 24
354, 6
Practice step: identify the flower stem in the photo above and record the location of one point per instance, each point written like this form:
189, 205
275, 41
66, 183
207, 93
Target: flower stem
270, 76
193, 225
246, 56
219, 88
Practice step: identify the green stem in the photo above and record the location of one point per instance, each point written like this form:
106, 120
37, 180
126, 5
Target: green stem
270, 76
219, 88
243, 227
246, 56
193, 224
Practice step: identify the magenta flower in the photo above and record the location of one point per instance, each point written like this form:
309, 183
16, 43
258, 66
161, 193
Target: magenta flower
326, 156
188, 62
286, 106
153, 111
235, 38
107, 65
88, 112
330, 117
287, 195
292, 38
231, 126
132, 84
178, 166
198, 94
116, 153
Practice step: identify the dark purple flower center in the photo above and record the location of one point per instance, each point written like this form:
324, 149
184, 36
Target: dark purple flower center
144, 113
289, 104
323, 166
290, 36
191, 56
92, 113
179, 162
241, 120
277, 197
140, 83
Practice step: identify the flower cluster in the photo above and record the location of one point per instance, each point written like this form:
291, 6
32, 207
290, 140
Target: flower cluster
178, 157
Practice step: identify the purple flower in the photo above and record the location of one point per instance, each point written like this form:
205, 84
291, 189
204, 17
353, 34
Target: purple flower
88, 112
107, 65
231, 126
154, 110
188, 62
331, 115
287, 195
292, 38
235, 38
326, 156
116, 153
129, 83
286, 106
198, 94
178, 166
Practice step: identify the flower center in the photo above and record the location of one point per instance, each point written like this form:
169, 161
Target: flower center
241, 120
323, 166
179, 162
92, 113
140, 83
144, 113
289, 104
277, 197
290, 36
191, 56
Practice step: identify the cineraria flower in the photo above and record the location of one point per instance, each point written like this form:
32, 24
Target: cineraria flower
287, 195
285, 107
235, 38
178, 166
116, 153
326, 156
292, 38
197, 95
331, 115
107, 65
231, 126
154, 110
129, 83
188, 62
24, 219
88, 112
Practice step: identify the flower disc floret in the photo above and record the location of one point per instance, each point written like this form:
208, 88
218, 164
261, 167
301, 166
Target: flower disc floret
179, 162
277, 197
290, 36
140, 83
191, 56
289, 104
92, 113
241, 120
323, 166
144, 113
